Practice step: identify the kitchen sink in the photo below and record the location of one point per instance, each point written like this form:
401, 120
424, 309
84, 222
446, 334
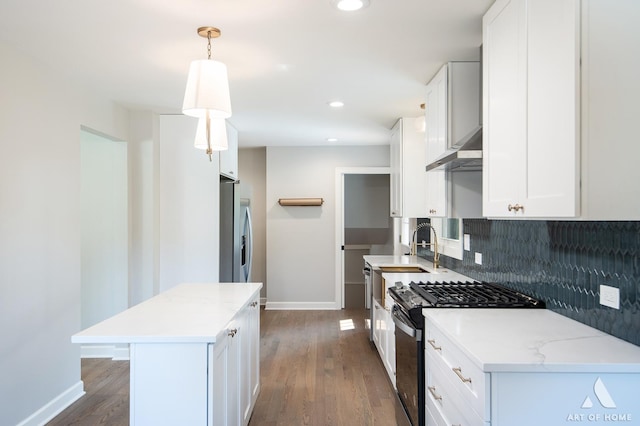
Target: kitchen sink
404, 268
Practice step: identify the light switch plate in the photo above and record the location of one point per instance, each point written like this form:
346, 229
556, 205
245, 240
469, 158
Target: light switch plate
610, 296
479, 258
467, 242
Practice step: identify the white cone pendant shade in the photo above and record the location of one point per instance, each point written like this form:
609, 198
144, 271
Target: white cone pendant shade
207, 90
218, 134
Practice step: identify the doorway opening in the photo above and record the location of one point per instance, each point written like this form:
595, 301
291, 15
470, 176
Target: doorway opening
363, 226
104, 229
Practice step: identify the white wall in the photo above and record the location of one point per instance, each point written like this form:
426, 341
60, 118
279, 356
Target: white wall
301, 240
40, 120
104, 228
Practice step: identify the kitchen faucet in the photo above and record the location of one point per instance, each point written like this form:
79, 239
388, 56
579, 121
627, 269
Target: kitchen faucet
414, 245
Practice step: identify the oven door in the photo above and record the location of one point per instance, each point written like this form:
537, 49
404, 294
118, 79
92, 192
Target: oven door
409, 366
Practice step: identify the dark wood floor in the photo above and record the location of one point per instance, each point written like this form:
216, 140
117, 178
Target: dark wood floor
106, 401
317, 368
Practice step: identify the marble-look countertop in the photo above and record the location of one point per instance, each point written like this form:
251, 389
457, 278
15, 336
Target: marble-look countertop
533, 340
186, 313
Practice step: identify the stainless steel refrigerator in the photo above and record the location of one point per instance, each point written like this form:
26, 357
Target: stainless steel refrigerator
236, 244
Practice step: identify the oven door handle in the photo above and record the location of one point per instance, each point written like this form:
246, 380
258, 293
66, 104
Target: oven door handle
403, 323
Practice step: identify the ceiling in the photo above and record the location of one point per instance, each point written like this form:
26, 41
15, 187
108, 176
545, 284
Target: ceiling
286, 59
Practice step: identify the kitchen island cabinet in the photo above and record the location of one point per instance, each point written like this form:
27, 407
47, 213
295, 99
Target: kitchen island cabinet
189, 348
504, 367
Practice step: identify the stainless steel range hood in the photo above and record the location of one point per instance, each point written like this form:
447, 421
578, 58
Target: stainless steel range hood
465, 155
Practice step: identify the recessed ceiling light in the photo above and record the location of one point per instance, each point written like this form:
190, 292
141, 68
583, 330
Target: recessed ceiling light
332, 139
350, 5
336, 104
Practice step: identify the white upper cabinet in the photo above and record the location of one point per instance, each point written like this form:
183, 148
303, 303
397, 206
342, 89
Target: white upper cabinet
531, 105
610, 110
560, 81
395, 176
436, 141
229, 157
452, 112
408, 175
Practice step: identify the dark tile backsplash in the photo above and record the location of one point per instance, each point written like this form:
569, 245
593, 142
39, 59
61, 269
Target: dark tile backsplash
562, 263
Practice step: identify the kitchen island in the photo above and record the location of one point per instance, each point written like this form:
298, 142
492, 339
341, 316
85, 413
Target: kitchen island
526, 367
194, 353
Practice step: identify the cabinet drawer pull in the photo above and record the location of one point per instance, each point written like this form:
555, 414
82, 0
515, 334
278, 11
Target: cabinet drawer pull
432, 342
437, 397
515, 207
458, 371
232, 332
254, 304
432, 211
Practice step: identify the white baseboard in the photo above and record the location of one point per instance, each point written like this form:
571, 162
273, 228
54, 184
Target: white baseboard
55, 406
263, 301
117, 353
302, 306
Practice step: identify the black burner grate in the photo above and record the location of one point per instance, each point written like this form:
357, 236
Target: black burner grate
473, 295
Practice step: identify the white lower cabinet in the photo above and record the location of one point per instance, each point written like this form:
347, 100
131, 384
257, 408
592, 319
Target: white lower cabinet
456, 389
224, 378
384, 338
233, 379
250, 360
516, 388
378, 321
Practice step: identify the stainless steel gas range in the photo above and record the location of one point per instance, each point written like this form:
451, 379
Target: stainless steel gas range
407, 316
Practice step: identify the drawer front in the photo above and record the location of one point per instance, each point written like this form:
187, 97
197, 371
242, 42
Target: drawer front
434, 416
470, 381
443, 396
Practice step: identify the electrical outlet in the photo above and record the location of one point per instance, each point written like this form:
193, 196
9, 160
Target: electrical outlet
610, 296
479, 258
467, 242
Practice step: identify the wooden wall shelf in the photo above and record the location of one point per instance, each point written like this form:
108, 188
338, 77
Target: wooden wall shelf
303, 202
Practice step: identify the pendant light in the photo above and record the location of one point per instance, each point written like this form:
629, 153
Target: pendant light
217, 139
207, 93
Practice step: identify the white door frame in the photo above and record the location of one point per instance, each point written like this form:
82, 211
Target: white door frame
339, 230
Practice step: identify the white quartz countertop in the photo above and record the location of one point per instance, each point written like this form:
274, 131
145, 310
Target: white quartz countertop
433, 275
186, 313
533, 340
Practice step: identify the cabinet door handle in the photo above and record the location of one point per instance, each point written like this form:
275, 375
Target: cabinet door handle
432, 342
432, 211
458, 371
254, 304
515, 208
437, 397
232, 332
